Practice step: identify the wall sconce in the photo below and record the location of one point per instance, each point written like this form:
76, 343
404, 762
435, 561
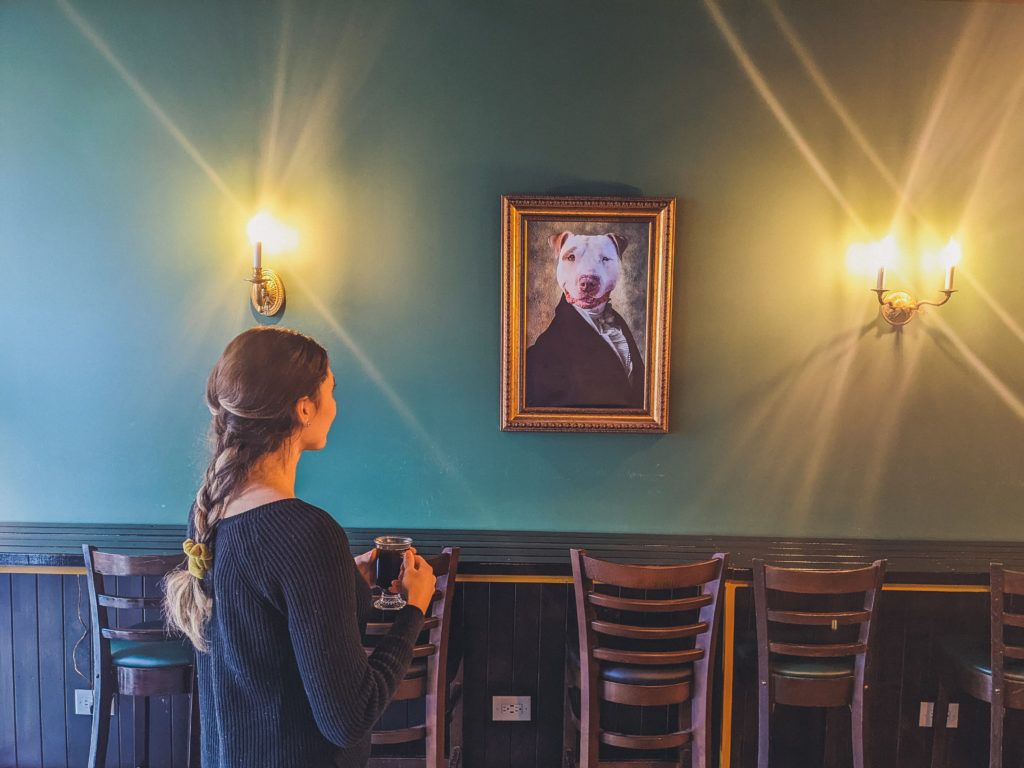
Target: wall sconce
898, 307
267, 233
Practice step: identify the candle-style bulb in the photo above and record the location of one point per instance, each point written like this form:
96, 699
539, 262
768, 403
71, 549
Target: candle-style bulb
951, 256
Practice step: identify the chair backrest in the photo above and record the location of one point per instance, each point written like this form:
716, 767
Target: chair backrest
832, 611
1007, 621
648, 615
435, 650
104, 597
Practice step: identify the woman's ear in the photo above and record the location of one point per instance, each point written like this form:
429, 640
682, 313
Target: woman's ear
305, 410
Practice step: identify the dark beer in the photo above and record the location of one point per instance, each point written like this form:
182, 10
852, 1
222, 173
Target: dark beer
390, 553
389, 565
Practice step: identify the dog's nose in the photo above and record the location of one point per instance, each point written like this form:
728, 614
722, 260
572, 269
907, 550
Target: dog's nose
588, 282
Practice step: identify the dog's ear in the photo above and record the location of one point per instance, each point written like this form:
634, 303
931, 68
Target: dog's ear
619, 242
557, 241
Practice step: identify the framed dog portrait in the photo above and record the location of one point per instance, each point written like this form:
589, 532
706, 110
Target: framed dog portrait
586, 288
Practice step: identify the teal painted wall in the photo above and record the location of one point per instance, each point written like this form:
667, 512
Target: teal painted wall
136, 139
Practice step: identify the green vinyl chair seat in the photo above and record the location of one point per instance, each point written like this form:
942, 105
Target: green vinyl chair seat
643, 674
151, 653
812, 668
135, 653
636, 674
975, 654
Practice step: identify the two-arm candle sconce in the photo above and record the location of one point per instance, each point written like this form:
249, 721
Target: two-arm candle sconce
265, 232
898, 307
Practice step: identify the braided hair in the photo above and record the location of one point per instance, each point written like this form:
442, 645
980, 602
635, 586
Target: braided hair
251, 392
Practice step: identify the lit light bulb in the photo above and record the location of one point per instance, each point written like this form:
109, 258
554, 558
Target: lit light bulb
882, 254
267, 232
950, 256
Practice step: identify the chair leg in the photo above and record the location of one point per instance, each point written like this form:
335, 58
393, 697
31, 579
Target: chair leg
102, 699
568, 727
690, 717
940, 735
145, 732
193, 755
764, 723
455, 709
995, 749
857, 728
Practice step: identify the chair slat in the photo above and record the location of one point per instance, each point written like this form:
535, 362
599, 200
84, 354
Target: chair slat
646, 695
648, 633
1013, 582
1013, 620
1013, 652
398, 735
144, 635
818, 651
383, 627
410, 688
649, 606
131, 603
818, 582
650, 576
633, 741
110, 564
418, 651
816, 618
649, 657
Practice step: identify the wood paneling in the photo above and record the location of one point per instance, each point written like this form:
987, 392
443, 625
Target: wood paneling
511, 637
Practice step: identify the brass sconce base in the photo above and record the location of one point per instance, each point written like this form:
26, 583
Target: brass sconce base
898, 307
267, 291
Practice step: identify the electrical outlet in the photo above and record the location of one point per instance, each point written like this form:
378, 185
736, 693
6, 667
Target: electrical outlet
512, 708
927, 714
83, 701
953, 715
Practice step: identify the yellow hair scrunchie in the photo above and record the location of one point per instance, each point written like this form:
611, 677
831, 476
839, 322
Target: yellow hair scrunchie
199, 560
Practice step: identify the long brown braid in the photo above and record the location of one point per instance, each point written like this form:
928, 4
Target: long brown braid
252, 392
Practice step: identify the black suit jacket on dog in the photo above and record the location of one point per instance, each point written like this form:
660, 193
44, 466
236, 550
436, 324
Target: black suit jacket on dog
571, 365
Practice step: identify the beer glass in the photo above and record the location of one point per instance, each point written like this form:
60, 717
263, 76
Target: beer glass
390, 552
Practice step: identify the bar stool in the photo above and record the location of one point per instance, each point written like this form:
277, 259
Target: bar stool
642, 650
141, 660
993, 671
427, 678
811, 652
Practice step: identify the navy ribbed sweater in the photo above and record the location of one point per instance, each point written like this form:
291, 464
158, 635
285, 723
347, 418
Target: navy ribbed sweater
286, 682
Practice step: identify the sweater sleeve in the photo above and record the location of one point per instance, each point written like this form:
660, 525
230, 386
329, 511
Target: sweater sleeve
316, 575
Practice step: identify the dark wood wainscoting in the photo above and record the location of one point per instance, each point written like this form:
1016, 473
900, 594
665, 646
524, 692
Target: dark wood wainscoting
512, 617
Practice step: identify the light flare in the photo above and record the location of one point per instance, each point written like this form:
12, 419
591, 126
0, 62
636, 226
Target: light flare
766, 94
147, 100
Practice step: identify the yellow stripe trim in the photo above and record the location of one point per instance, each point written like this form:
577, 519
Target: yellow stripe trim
43, 569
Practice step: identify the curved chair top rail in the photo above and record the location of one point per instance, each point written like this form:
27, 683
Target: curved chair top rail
1005, 583
1013, 581
822, 582
110, 564
648, 576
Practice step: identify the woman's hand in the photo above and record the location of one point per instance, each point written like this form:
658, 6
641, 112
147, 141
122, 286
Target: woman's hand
366, 564
417, 580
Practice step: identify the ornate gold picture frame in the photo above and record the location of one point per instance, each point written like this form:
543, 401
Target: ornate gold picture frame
586, 287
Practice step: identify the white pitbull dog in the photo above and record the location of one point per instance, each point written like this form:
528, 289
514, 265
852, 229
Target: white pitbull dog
587, 357
588, 267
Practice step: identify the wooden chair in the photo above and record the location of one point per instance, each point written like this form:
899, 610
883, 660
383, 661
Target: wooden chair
428, 679
814, 631
140, 660
992, 671
643, 650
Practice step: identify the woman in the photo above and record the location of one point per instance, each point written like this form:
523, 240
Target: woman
272, 596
